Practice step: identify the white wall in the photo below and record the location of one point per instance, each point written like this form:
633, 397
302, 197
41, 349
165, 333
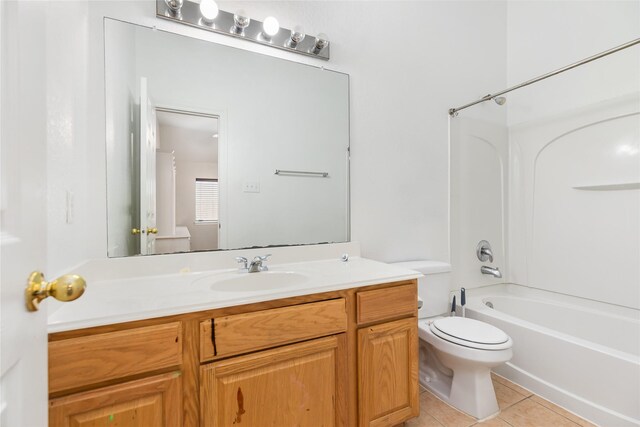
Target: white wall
67, 133
408, 61
545, 35
579, 128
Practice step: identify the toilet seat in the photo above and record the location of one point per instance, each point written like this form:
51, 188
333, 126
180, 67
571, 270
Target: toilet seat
470, 333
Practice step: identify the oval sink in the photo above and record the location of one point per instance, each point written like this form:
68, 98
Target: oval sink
254, 282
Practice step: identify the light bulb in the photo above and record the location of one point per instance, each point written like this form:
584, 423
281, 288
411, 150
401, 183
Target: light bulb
174, 5
321, 43
297, 35
270, 26
208, 10
240, 22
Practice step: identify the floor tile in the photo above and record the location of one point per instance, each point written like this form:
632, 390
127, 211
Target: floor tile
506, 396
529, 413
424, 420
493, 422
445, 414
559, 410
502, 380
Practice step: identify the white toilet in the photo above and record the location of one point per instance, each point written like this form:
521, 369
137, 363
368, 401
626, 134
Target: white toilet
456, 353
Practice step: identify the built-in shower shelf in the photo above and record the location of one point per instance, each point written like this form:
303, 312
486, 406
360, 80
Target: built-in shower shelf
610, 187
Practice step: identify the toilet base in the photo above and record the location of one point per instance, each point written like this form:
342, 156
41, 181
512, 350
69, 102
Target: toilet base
472, 392
467, 387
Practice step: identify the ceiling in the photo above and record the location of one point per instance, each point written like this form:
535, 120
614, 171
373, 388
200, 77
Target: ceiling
191, 137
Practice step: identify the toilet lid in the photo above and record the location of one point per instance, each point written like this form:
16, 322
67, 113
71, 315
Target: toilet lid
470, 333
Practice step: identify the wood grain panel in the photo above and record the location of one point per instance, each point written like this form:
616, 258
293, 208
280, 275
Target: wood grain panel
387, 303
78, 362
295, 385
150, 402
388, 373
268, 328
191, 373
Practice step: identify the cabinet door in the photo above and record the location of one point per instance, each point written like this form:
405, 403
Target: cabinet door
150, 402
388, 373
295, 385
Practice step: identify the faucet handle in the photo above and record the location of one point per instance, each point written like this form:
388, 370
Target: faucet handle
487, 254
261, 257
244, 261
484, 252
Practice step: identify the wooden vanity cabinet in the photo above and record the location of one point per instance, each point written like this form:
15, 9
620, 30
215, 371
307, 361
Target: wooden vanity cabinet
387, 356
344, 358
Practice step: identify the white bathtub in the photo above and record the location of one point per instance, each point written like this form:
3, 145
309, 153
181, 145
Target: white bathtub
581, 354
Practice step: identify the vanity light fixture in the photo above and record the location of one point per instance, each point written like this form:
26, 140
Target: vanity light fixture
205, 14
209, 11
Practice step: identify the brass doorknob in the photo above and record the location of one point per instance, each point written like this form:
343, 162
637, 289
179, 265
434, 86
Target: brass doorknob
152, 230
135, 231
64, 288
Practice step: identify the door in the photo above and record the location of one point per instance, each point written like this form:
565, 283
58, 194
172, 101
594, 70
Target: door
295, 385
148, 127
23, 136
388, 373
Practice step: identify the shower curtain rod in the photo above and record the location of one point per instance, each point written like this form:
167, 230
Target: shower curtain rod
453, 111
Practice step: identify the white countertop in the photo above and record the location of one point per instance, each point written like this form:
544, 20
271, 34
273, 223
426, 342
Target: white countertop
124, 300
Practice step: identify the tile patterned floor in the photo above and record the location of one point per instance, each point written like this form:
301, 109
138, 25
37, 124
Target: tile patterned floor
518, 408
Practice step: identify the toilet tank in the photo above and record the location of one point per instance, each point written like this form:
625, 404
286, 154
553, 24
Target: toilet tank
434, 287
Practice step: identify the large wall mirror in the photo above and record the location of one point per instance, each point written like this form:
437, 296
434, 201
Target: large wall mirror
211, 147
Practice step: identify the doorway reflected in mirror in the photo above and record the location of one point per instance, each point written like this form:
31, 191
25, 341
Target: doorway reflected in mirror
187, 186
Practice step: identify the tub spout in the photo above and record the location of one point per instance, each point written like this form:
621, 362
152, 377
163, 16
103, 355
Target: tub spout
495, 272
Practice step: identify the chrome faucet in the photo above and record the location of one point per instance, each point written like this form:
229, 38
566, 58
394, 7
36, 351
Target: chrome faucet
257, 264
495, 272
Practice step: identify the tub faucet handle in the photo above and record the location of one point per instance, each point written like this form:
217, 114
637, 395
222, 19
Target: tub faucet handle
484, 252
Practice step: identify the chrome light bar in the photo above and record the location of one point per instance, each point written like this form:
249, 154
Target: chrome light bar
190, 13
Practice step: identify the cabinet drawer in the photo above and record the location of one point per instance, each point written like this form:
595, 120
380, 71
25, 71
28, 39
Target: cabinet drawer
77, 362
387, 303
240, 333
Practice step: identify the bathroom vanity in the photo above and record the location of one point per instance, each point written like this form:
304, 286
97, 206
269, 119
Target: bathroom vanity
346, 356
